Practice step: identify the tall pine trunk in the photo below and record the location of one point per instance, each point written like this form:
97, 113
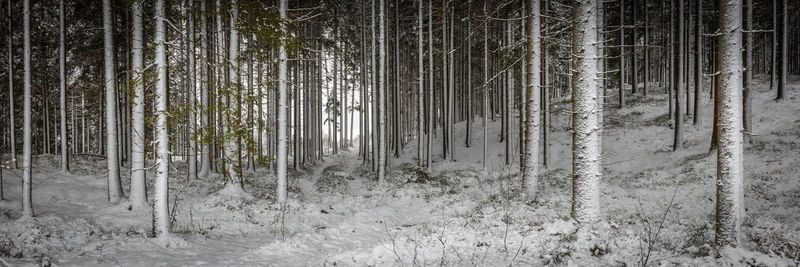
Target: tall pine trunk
282, 83
114, 184
161, 222
138, 191
62, 89
585, 149
730, 199
530, 167
27, 202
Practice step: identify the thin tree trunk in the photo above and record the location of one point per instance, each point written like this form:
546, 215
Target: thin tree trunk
205, 75
430, 86
12, 132
697, 120
63, 89
421, 85
677, 78
485, 84
747, 103
382, 95
191, 127
27, 199
781, 51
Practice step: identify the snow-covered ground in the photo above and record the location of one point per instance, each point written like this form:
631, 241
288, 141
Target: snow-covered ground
456, 214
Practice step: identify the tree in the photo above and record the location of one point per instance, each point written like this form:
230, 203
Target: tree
782, 52
698, 64
730, 196
11, 130
27, 203
282, 83
138, 192
677, 71
382, 94
530, 167
485, 90
421, 83
747, 104
62, 89
230, 123
205, 75
161, 221
430, 85
191, 127
585, 149
114, 183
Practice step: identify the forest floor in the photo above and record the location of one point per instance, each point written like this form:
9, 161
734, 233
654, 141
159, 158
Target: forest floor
658, 205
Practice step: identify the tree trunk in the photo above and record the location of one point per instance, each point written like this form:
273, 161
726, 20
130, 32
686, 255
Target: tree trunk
12, 132
161, 221
114, 184
205, 75
191, 127
62, 89
485, 89
530, 167
382, 95
677, 78
27, 199
282, 83
421, 85
697, 120
747, 103
585, 149
430, 86
730, 198
781, 51
138, 191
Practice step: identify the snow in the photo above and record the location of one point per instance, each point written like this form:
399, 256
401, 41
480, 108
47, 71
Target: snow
455, 214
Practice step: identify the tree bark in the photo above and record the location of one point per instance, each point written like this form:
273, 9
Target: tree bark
282, 83
27, 199
114, 183
161, 222
730, 199
586, 151
62, 89
532, 87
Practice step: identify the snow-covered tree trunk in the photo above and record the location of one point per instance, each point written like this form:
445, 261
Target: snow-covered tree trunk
232, 163
282, 83
12, 132
468, 141
382, 94
62, 89
585, 149
191, 128
138, 191
532, 93
420, 81
114, 184
374, 90
161, 204
730, 198
698, 65
205, 161
485, 86
27, 203
430, 86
